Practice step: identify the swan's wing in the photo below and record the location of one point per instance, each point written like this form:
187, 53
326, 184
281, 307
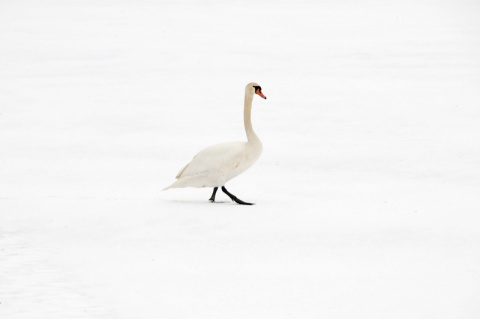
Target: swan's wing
220, 157
181, 171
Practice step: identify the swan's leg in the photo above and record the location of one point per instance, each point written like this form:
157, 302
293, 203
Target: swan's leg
212, 198
234, 198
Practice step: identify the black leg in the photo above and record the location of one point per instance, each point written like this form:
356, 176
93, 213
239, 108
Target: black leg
234, 198
212, 198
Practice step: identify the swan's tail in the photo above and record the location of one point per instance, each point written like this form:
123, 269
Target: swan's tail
176, 184
179, 183
196, 180
166, 188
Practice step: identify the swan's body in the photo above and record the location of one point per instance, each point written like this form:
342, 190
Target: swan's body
217, 164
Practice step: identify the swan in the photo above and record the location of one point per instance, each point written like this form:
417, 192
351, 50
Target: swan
217, 164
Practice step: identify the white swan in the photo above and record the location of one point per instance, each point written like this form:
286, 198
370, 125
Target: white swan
217, 164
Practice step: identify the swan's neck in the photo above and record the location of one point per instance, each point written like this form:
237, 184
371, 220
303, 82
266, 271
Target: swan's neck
247, 119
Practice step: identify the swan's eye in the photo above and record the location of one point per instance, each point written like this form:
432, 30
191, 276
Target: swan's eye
257, 88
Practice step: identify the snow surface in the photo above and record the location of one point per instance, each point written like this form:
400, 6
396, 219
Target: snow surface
367, 191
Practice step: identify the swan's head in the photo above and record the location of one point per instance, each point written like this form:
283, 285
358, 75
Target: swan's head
254, 88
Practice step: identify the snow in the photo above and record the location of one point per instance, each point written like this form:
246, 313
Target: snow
366, 192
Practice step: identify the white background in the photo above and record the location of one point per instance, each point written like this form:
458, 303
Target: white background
367, 192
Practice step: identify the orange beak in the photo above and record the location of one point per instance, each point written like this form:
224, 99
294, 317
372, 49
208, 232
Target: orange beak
259, 92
